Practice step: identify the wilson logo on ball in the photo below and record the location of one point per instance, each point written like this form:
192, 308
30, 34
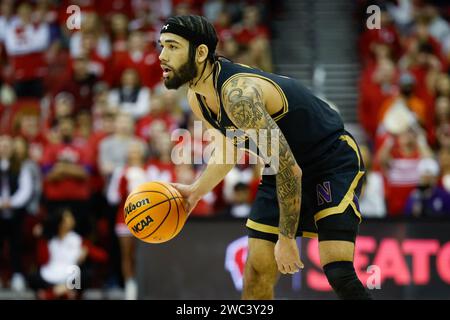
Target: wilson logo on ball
133, 206
141, 225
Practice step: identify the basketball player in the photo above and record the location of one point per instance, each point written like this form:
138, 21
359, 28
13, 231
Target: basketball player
316, 188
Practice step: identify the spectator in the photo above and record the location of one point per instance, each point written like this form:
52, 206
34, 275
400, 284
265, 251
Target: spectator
402, 13
438, 27
223, 27
146, 20
59, 251
427, 42
84, 129
372, 202
399, 157
443, 136
240, 204
119, 30
428, 199
442, 111
64, 106
15, 193
124, 181
241, 173
109, 8
373, 92
159, 119
160, 166
406, 100
80, 84
30, 130
26, 42
91, 27
424, 65
444, 162
185, 174
114, 148
63, 251
172, 104
212, 9
443, 85
67, 167
387, 34
103, 127
231, 49
100, 104
131, 97
254, 34
22, 155
141, 58
6, 14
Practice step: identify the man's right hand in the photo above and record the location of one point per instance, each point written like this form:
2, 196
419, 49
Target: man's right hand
191, 198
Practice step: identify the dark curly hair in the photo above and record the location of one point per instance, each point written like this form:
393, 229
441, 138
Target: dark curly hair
199, 25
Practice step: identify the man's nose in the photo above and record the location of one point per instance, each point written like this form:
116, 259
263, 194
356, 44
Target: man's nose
162, 56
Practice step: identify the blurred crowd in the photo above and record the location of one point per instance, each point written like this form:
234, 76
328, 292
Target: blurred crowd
404, 108
84, 118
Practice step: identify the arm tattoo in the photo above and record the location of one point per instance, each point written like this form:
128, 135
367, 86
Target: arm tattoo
244, 104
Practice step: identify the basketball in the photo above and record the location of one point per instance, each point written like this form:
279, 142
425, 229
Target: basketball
154, 212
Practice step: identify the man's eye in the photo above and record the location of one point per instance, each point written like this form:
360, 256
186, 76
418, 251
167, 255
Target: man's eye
172, 47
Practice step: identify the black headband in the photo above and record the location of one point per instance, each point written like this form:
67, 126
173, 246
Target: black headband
188, 34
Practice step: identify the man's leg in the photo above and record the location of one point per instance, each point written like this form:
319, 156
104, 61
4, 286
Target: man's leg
261, 272
336, 258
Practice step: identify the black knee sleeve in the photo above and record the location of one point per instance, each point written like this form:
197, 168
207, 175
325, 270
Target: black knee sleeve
342, 277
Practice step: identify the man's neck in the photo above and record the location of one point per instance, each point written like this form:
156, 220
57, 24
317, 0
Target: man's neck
203, 84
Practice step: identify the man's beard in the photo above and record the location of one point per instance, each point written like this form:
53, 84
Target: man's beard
184, 74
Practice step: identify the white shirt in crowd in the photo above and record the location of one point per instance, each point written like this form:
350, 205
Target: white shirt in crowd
34, 38
136, 109
371, 203
63, 255
22, 195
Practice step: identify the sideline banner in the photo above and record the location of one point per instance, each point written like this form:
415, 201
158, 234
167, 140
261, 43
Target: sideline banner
396, 260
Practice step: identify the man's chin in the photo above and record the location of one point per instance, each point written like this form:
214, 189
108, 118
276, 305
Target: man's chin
170, 84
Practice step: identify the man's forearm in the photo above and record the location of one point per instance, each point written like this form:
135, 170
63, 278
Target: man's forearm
289, 190
213, 174
218, 166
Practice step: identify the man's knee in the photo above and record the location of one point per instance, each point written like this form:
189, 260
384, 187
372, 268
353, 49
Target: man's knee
261, 271
261, 260
343, 279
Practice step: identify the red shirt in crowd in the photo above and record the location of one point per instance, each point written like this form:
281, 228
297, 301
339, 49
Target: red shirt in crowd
400, 180
25, 46
67, 188
81, 90
146, 64
143, 126
372, 96
387, 35
36, 146
110, 7
245, 35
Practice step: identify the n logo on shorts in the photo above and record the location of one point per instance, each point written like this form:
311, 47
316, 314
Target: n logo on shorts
324, 193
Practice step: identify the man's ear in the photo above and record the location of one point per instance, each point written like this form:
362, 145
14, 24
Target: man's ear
202, 53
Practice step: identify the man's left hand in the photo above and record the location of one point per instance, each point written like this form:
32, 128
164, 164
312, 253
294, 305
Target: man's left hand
287, 255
